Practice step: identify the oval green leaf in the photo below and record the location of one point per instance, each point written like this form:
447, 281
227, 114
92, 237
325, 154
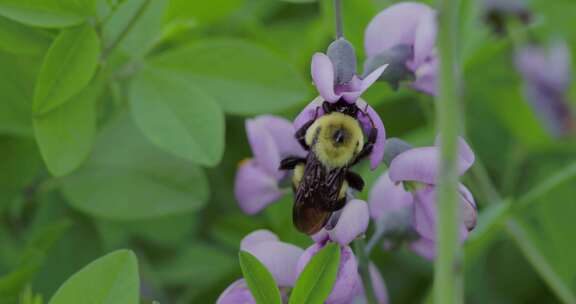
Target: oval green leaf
259, 280
68, 67
112, 279
243, 77
51, 14
317, 279
66, 134
128, 178
178, 117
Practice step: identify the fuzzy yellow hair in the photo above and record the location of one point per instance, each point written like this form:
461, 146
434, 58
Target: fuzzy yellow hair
320, 137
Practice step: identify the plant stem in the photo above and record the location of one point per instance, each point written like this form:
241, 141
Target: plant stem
106, 53
448, 264
338, 18
364, 270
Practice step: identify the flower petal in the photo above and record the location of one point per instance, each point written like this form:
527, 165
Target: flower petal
425, 212
266, 153
425, 38
395, 25
425, 248
469, 212
387, 197
352, 223
282, 132
279, 258
309, 112
323, 76
365, 119
237, 292
257, 237
254, 188
364, 84
422, 164
345, 288
378, 285
427, 78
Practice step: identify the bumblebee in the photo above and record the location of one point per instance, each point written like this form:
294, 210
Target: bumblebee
335, 142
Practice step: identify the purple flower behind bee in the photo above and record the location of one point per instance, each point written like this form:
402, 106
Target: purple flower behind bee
258, 179
546, 75
404, 36
408, 191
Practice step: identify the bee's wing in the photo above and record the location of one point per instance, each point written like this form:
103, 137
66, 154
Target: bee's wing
308, 219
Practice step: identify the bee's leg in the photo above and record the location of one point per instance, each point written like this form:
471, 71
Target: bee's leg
291, 162
328, 107
368, 147
354, 180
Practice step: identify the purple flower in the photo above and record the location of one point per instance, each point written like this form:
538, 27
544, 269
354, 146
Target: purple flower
546, 76
324, 77
280, 259
346, 225
348, 285
409, 187
365, 116
404, 35
257, 180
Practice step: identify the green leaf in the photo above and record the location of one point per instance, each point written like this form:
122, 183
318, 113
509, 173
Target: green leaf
112, 279
20, 39
317, 279
259, 280
178, 117
45, 13
198, 265
135, 25
31, 258
243, 77
200, 12
127, 178
68, 67
65, 135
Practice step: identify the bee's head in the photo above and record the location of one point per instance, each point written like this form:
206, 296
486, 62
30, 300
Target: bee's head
335, 138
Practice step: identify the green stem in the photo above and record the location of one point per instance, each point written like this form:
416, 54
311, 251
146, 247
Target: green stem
448, 264
483, 181
364, 270
106, 53
549, 184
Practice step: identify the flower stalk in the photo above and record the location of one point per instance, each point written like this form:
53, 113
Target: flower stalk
448, 269
338, 18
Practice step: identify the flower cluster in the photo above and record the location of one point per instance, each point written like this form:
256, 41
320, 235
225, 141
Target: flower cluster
400, 45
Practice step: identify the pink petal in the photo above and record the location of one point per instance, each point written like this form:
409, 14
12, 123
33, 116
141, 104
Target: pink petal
378, 150
425, 38
364, 84
323, 76
344, 289
393, 26
282, 132
427, 77
257, 237
352, 223
264, 148
254, 188
388, 197
280, 259
309, 112
236, 293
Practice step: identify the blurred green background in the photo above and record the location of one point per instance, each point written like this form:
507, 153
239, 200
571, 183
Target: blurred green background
113, 138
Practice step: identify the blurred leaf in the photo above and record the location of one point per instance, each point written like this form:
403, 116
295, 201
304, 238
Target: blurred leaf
197, 266
315, 282
127, 178
243, 77
47, 13
200, 12
68, 67
65, 135
19, 166
135, 25
15, 94
29, 297
31, 258
178, 117
20, 39
261, 283
112, 279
